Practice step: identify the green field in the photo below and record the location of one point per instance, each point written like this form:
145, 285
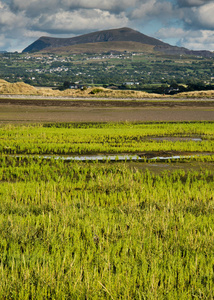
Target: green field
105, 230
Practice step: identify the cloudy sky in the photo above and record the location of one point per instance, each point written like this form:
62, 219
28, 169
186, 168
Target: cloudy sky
187, 23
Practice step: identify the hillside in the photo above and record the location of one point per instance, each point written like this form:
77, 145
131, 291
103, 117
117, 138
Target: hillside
102, 47
113, 35
91, 43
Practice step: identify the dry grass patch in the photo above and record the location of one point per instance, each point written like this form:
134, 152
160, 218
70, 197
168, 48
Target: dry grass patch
17, 89
108, 93
21, 88
2, 82
196, 94
26, 89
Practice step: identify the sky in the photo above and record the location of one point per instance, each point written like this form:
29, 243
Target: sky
186, 23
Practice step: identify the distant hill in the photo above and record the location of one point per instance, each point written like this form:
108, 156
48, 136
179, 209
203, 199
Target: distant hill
125, 39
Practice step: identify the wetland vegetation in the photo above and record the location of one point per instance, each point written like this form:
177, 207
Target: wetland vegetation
93, 138
106, 230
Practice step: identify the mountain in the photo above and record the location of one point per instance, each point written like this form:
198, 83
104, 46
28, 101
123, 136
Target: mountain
119, 38
113, 35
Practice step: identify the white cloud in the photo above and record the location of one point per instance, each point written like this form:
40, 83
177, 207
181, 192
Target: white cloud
190, 39
205, 15
199, 40
172, 32
151, 9
3, 42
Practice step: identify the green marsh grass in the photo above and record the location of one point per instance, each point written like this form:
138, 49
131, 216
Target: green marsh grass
86, 138
103, 231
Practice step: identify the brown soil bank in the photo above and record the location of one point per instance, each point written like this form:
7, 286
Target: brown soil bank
37, 114
105, 103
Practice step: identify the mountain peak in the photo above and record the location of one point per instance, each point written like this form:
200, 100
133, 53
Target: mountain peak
119, 35
123, 34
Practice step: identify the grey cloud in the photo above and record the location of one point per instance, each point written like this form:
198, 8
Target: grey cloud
35, 8
110, 5
199, 17
192, 3
79, 21
9, 20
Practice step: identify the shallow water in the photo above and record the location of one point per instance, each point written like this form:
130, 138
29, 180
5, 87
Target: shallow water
158, 168
174, 139
155, 164
96, 157
107, 157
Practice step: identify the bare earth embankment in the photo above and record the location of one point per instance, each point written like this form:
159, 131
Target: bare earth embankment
20, 102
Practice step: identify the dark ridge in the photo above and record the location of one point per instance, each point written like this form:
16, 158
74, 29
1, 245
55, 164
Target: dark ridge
38, 45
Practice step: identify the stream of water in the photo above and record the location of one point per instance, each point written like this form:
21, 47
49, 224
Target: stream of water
108, 157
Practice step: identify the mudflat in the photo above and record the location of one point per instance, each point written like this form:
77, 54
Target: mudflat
24, 109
